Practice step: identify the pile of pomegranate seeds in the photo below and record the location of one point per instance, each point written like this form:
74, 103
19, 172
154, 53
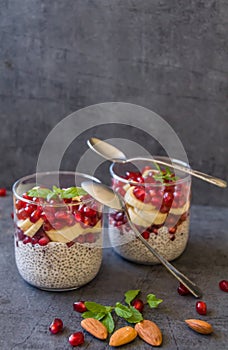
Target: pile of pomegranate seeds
2, 192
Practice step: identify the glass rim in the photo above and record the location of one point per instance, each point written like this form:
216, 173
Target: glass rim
172, 160
63, 172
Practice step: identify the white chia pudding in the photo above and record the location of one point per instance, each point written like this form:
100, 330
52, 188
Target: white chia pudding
131, 248
57, 266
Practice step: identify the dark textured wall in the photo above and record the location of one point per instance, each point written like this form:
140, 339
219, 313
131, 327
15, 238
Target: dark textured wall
168, 55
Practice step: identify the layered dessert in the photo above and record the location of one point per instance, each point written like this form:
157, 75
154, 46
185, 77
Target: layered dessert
158, 203
58, 243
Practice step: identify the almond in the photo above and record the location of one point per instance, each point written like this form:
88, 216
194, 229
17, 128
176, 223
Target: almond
200, 326
123, 336
95, 327
149, 332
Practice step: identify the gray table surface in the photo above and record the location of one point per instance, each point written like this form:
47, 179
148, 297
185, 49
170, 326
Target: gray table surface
26, 312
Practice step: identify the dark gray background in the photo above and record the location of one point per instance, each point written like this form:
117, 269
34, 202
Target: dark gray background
168, 55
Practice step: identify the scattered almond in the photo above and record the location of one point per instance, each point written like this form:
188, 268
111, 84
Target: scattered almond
123, 336
149, 332
200, 326
95, 327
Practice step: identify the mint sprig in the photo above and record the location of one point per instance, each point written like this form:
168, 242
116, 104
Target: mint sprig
128, 312
56, 192
163, 176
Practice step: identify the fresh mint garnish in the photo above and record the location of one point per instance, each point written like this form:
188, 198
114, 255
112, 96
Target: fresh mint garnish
56, 192
135, 317
123, 311
153, 301
97, 308
164, 175
97, 316
131, 295
108, 322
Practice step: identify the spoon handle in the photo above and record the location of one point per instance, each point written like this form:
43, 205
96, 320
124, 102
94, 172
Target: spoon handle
191, 286
212, 179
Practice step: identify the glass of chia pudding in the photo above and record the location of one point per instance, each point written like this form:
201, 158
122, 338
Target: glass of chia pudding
158, 201
58, 230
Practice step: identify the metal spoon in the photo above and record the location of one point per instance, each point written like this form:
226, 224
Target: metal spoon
112, 153
108, 197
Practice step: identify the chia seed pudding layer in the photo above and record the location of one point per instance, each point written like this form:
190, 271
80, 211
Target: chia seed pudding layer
57, 266
131, 248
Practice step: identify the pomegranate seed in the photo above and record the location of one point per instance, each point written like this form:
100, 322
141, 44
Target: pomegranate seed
172, 229
168, 199
164, 209
61, 215
58, 225
56, 326
34, 240
25, 196
90, 237
27, 240
184, 216
12, 215
76, 339
172, 237
19, 204
146, 235
79, 306
22, 215
28, 210
80, 239
70, 220
20, 234
130, 175
182, 290
223, 285
43, 241
138, 304
156, 201
2, 192
89, 212
47, 226
69, 244
119, 216
35, 216
78, 216
139, 193
201, 307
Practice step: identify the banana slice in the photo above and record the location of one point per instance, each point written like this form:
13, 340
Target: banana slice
180, 211
56, 236
154, 216
138, 220
34, 228
126, 187
70, 233
134, 202
24, 224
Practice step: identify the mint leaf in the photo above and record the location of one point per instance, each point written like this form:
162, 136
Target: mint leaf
72, 192
89, 314
131, 295
108, 322
122, 310
153, 301
39, 192
97, 308
136, 316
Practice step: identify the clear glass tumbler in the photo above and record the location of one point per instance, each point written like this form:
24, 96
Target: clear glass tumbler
58, 237
158, 201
